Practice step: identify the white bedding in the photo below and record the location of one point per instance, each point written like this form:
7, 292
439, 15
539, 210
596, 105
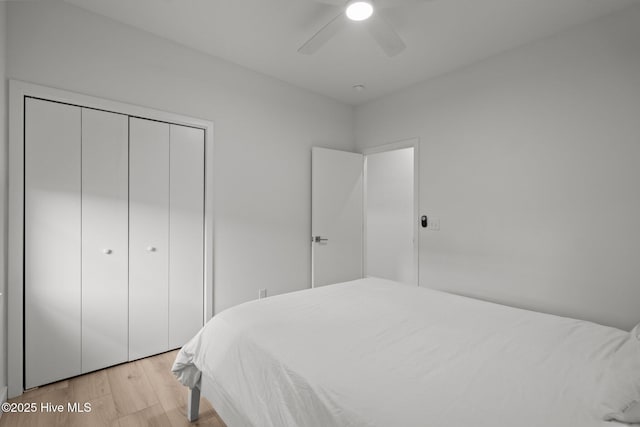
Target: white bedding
377, 353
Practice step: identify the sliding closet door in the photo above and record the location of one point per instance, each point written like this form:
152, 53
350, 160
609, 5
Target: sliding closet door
186, 259
148, 237
52, 242
104, 239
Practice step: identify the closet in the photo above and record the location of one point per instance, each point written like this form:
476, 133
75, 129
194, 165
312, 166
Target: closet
113, 238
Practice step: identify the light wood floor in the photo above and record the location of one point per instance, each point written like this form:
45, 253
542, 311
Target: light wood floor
140, 393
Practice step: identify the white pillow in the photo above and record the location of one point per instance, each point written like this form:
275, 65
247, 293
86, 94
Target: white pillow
620, 398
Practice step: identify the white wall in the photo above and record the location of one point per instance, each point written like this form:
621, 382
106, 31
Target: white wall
264, 129
3, 195
531, 160
389, 215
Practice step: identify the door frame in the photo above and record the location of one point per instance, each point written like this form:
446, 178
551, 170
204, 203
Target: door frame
392, 146
18, 91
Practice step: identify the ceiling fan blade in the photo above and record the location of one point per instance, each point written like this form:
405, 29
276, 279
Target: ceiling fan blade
324, 35
378, 3
385, 35
386, 4
333, 2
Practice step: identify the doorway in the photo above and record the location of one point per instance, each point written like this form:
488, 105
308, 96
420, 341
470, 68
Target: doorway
391, 212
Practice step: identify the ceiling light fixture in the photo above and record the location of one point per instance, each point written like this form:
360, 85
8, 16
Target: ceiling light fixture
359, 10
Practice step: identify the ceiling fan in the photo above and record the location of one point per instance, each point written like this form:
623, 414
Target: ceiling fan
364, 11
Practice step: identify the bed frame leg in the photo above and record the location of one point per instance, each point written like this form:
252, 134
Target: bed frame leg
193, 404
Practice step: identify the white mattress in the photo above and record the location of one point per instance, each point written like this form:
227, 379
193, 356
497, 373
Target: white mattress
377, 353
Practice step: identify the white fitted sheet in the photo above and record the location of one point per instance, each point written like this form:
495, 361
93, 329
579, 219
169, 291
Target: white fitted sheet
378, 353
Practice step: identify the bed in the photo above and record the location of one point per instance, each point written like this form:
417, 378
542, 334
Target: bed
372, 352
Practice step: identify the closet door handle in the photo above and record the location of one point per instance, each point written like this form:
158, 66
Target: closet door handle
151, 249
107, 251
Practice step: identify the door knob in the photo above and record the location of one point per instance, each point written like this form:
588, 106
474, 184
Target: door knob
151, 249
319, 239
107, 251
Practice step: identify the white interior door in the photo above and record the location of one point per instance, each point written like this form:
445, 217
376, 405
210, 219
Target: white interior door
52, 242
391, 216
105, 242
148, 237
336, 216
186, 254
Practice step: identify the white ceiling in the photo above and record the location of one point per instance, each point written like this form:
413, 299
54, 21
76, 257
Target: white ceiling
264, 35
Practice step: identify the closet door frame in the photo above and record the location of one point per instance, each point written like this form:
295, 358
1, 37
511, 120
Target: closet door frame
18, 92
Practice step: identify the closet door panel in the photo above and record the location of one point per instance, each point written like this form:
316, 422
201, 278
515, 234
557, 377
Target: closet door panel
104, 239
186, 258
52, 242
148, 237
